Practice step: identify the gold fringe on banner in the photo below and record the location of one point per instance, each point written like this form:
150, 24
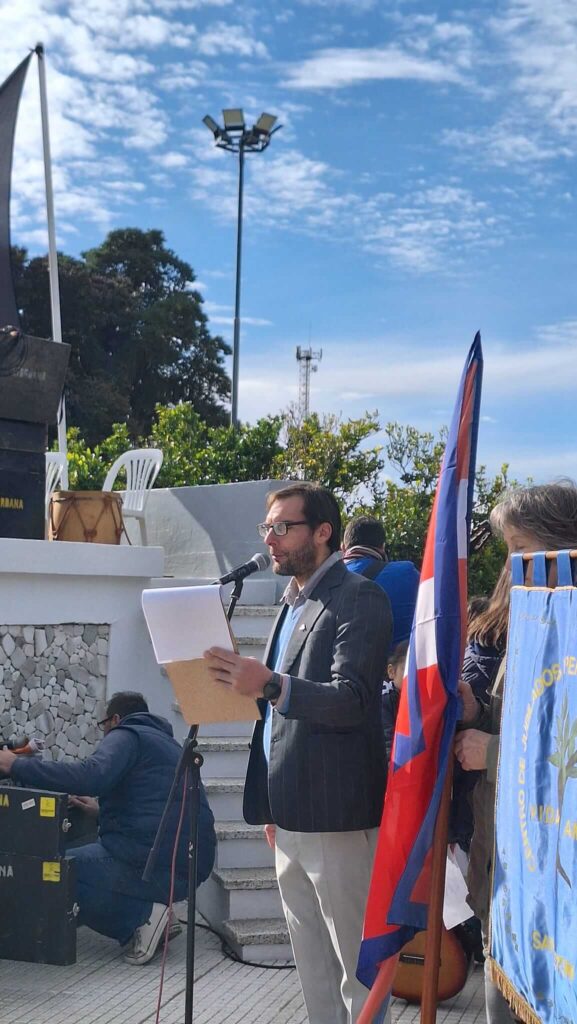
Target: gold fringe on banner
519, 1006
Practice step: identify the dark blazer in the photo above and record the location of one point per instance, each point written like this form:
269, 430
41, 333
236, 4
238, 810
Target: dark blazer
327, 768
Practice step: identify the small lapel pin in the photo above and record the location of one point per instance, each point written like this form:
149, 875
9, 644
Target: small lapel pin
302, 626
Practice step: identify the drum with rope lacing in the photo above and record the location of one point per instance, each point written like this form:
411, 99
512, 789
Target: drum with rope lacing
93, 517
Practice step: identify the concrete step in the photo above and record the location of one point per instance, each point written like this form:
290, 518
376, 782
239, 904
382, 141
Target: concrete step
259, 940
253, 621
251, 647
225, 798
232, 893
225, 757
226, 729
241, 845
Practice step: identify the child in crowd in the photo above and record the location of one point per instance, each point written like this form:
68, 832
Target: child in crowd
392, 691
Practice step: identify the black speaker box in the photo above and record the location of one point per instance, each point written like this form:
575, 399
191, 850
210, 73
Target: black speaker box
33, 822
32, 372
17, 436
22, 490
38, 909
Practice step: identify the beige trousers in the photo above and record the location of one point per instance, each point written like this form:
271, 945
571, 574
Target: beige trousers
324, 881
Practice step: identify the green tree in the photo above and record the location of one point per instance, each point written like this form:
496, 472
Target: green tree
488, 553
138, 333
87, 467
333, 452
414, 459
197, 453
330, 451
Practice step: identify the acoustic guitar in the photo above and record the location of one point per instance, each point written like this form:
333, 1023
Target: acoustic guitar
456, 958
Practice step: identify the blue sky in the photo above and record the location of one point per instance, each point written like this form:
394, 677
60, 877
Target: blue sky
422, 187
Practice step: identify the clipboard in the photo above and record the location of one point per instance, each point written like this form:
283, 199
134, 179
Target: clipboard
183, 622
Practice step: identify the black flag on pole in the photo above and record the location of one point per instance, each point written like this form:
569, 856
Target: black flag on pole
10, 93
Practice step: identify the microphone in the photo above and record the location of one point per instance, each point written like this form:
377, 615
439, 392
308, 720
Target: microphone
257, 563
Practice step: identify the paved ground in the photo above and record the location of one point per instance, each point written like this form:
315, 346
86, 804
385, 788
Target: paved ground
101, 989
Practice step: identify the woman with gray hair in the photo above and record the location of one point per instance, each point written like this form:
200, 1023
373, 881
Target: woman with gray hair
536, 518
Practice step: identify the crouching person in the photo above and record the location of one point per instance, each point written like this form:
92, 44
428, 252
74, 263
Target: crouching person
130, 774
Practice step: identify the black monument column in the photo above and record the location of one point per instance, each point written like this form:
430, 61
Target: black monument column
32, 373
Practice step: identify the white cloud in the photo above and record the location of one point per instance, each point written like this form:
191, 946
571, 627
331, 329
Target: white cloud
336, 68
223, 315
183, 76
541, 43
422, 230
563, 333
224, 38
430, 229
505, 145
172, 160
190, 5
419, 375
356, 6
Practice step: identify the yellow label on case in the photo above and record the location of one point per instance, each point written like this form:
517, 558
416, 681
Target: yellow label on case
47, 807
50, 871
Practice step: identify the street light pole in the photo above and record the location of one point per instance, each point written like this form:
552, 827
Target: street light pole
236, 327
235, 137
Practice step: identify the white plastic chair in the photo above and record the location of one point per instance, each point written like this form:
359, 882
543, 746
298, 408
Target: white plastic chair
142, 467
55, 465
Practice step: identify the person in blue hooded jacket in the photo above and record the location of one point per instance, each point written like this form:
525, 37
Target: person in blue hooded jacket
130, 773
364, 553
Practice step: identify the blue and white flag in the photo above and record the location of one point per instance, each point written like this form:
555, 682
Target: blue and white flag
398, 899
534, 897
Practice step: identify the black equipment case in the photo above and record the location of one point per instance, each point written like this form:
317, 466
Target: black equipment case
37, 909
33, 822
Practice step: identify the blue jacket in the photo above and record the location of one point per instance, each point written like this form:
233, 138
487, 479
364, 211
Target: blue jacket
131, 773
400, 581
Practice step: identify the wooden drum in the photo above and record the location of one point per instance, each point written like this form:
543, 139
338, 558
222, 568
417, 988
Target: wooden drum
92, 517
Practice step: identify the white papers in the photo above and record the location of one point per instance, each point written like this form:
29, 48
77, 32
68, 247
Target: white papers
183, 622
455, 907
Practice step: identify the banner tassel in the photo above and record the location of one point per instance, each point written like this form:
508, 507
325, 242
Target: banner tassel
519, 1005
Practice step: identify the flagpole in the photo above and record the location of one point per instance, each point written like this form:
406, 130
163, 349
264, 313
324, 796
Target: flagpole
379, 991
429, 998
52, 254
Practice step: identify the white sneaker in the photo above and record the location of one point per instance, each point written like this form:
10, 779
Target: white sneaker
174, 927
145, 941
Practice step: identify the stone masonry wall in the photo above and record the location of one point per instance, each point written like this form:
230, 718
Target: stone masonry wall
53, 686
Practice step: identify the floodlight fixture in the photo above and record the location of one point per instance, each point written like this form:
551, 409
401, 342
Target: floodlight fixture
265, 124
235, 137
233, 120
212, 126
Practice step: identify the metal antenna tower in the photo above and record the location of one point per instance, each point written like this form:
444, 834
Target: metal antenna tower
307, 360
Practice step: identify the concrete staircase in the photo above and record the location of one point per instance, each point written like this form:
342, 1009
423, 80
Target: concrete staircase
240, 899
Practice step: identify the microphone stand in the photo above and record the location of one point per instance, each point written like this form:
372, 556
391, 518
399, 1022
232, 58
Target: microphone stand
190, 762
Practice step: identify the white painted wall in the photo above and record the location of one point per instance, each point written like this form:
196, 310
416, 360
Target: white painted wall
195, 534
47, 583
205, 531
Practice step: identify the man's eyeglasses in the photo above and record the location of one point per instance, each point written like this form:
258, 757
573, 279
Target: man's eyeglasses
279, 529
104, 721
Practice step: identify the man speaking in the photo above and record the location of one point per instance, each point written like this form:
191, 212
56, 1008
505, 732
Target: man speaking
317, 768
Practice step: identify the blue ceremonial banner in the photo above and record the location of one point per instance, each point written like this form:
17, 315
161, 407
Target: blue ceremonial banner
534, 899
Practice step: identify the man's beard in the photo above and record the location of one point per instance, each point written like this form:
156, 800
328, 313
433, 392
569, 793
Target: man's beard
300, 563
